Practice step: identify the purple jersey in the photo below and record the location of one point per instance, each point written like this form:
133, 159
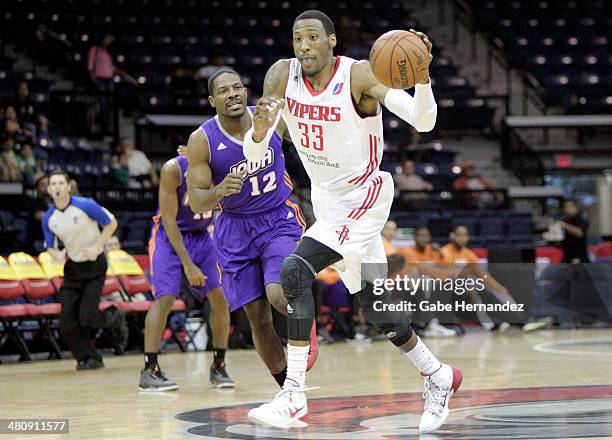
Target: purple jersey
267, 185
186, 219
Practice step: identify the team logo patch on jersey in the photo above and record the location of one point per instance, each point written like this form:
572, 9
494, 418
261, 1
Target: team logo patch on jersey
337, 89
343, 234
221, 146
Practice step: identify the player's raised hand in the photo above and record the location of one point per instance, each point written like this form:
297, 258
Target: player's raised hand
423, 74
194, 275
425, 40
232, 184
265, 115
182, 150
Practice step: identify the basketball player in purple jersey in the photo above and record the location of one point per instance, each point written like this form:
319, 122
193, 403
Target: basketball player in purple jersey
259, 226
180, 243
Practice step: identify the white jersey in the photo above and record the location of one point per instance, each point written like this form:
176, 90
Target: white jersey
340, 149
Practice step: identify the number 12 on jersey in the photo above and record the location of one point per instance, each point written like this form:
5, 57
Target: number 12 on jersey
312, 136
270, 181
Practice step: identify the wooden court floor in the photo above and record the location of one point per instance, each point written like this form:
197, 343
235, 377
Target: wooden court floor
551, 384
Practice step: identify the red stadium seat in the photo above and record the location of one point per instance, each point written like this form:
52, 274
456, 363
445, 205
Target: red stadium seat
134, 284
12, 314
603, 250
555, 255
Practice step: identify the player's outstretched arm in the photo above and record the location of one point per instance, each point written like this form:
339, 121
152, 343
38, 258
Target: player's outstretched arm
419, 111
203, 196
267, 113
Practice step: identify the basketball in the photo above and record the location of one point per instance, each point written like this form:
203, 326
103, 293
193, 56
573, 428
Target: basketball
397, 57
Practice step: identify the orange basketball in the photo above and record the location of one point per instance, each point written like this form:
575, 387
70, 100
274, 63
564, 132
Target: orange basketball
397, 57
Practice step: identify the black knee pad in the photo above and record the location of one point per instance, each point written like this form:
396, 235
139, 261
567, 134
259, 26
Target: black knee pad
297, 276
394, 325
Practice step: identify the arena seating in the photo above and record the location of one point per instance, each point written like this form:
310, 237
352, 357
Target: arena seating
157, 41
564, 44
486, 227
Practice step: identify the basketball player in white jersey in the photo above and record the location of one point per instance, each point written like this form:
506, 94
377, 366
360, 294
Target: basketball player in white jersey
331, 107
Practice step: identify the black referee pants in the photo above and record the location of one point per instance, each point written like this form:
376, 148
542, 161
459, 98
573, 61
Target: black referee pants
80, 299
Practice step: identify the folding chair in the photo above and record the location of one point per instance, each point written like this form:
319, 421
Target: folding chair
41, 294
13, 308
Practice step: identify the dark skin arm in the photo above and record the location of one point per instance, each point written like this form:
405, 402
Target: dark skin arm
168, 205
274, 87
203, 196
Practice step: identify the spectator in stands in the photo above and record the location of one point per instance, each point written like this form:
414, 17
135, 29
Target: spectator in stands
575, 226
121, 171
472, 181
408, 180
423, 250
12, 128
139, 167
74, 187
23, 105
457, 253
113, 244
425, 253
100, 64
9, 168
469, 179
102, 70
37, 205
27, 164
41, 201
389, 232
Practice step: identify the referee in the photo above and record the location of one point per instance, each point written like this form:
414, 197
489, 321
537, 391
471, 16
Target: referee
74, 221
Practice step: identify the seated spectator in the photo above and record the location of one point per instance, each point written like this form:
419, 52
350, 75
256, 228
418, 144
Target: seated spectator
389, 232
424, 253
575, 226
408, 180
457, 253
121, 173
27, 164
423, 250
113, 244
23, 105
74, 187
9, 168
139, 166
12, 128
37, 205
470, 180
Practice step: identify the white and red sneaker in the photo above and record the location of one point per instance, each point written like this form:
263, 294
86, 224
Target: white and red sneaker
439, 388
284, 411
314, 346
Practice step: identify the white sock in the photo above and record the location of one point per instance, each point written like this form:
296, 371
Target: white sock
297, 358
423, 359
